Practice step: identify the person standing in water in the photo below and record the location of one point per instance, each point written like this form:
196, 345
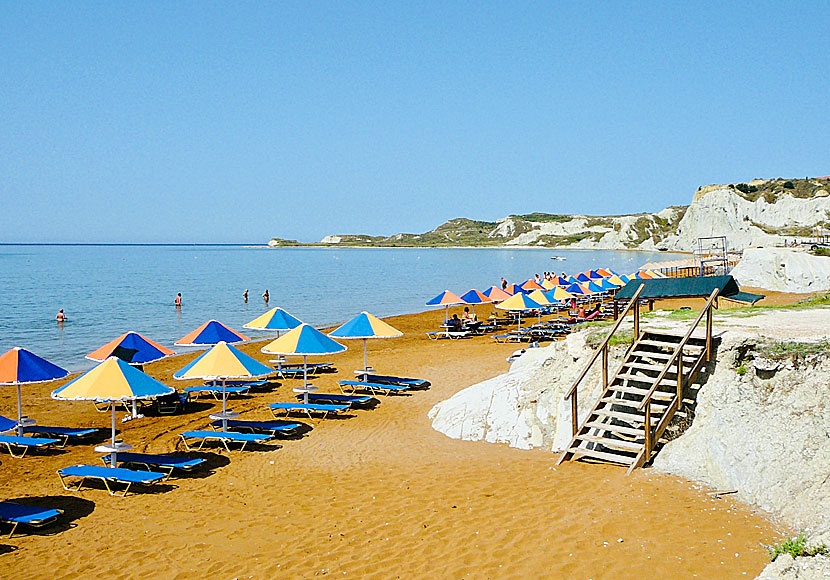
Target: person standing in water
245, 295
266, 296
61, 317
178, 300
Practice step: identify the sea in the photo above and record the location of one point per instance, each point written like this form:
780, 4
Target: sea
106, 290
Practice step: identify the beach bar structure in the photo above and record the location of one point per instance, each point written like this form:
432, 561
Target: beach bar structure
639, 401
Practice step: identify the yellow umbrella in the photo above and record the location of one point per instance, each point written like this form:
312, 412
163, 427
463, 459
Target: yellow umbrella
548, 285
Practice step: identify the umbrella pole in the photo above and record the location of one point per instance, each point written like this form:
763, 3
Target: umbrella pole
365, 366
19, 412
224, 408
135, 411
305, 379
113, 453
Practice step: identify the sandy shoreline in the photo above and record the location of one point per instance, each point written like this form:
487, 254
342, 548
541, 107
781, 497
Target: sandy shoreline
376, 495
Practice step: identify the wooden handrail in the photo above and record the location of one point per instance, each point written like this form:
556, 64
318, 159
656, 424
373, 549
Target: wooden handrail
707, 308
604, 344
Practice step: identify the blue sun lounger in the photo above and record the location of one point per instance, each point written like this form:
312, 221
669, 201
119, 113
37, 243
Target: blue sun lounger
390, 380
273, 427
64, 434
223, 437
162, 463
236, 383
216, 391
7, 424
16, 514
372, 387
13, 442
108, 475
307, 408
338, 399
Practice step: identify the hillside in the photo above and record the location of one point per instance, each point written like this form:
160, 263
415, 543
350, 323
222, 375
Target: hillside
761, 212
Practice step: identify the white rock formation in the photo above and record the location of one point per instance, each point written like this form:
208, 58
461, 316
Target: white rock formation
331, 240
787, 568
783, 270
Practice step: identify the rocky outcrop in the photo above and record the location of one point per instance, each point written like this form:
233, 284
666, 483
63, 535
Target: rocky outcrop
783, 270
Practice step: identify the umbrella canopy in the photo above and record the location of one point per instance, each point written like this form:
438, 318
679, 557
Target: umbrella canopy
275, 319
496, 294
604, 272
559, 293
514, 289
211, 332
539, 297
304, 340
531, 285
594, 287
560, 281
19, 366
223, 362
655, 274
606, 285
519, 302
476, 297
576, 289
548, 285
112, 380
619, 280
595, 275
131, 347
583, 277
366, 326
445, 298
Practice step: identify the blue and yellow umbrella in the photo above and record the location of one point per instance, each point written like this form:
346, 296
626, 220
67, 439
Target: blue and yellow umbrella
19, 366
112, 380
220, 363
305, 341
365, 326
275, 319
210, 333
519, 303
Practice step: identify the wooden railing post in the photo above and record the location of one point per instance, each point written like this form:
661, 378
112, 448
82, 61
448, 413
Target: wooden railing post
605, 366
709, 334
574, 419
637, 320
679, 378
647, 427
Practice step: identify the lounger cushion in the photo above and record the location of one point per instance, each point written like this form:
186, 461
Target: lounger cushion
214, 389
27, 441
6, 424
227, 435
379, 386
111, 473
336, 398
272, 426
168, 461
308, 407
387, 379
24, 514
64, 431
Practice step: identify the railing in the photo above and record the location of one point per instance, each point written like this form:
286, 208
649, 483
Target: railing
603, 349
677, 356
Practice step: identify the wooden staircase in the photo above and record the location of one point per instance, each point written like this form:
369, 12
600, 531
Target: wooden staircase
639, 401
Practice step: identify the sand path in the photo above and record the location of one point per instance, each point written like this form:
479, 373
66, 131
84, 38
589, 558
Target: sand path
376, 495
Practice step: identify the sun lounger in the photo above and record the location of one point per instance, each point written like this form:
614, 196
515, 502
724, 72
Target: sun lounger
390, 380
372, 387
338, 399
7, 424
216, 392
223, 437
161, 463
64, 434
13, 442
172, 403
16, 514
108, 475
451, 334
272, 427
307, 408
249, 384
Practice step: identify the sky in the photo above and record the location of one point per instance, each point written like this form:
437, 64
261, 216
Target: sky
200, 122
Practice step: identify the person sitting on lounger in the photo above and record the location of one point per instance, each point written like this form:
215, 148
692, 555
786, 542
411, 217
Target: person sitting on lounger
467, 318
454, 324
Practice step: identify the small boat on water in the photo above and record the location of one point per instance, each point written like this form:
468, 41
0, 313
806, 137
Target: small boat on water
560, 258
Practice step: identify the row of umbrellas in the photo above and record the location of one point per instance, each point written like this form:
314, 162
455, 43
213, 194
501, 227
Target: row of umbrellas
116, 379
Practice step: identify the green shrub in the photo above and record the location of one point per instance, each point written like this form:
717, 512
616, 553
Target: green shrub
789, 185
741, 370
796, 547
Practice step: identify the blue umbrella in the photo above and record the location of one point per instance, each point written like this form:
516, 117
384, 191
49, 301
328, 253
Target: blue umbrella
365, 326
19, 366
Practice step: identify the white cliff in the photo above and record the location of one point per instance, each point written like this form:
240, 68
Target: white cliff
783, 270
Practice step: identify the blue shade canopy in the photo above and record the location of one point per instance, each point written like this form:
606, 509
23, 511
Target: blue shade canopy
583, 277
594, 275
519, 301
364, 325
112, 380
303, 340
594, 287
275, 319
211, 332
445, 298
575, 289
606, 284
132, 348
19, 365
475, 297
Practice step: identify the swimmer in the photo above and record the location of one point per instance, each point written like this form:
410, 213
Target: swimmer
245, 295
265, 295
61, 317
178, 300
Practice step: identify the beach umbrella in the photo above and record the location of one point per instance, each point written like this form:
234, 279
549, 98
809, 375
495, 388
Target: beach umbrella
593, 287
548, 285
496, 294
305, 341
519, 303
655, 274
619, 280
19, 366
572, 280
514, 289
604, 272
560, 281
531, 285
113, 381
595, 275
558, 294
539, 296
446, 299
583, 277
275, 319
220, 363
640, 275
576, 288
132, 348
210, 333
607, 285
474, 297
365, 326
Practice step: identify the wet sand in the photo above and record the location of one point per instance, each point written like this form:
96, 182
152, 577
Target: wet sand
376, 495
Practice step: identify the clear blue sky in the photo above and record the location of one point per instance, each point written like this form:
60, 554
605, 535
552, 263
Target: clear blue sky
236, 122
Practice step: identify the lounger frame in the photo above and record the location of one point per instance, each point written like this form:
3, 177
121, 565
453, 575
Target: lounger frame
205, 436
107, 480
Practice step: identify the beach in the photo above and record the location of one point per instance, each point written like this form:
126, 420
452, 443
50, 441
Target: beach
377, 494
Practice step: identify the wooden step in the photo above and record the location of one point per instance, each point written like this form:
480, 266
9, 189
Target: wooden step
613, 443
630, 417
647, 380
688, 349
659, 395
619, 429
661, 355
648, 367
612, 457
655, 407
672, 336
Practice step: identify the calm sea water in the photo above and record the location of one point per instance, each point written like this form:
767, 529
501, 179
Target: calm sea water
108, 290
